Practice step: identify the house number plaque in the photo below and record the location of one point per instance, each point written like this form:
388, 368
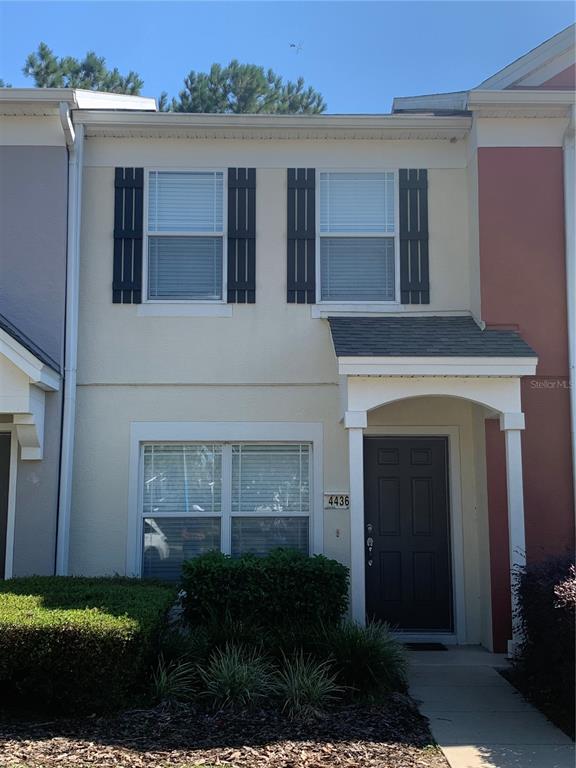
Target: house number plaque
336, 501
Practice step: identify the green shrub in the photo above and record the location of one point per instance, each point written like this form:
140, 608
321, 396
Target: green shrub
306, 686
546, 608
236, 677
367, 660
77, 644
186, 644
284, 589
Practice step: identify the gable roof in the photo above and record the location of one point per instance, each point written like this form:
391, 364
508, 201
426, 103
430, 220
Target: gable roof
537, 66
546, 68
422, 337
27, 343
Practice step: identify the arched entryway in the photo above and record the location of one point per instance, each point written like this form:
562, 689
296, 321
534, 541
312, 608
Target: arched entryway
417, 442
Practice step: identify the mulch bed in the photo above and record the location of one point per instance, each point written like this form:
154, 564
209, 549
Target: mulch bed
389, 735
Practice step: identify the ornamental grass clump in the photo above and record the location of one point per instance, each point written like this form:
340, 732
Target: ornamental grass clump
367, 660
236, 677
306, 686
173, 680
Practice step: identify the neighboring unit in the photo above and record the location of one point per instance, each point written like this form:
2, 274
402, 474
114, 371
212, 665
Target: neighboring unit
346, 335
37, 163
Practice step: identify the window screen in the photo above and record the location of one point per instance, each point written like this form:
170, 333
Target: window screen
185, 235
357, 228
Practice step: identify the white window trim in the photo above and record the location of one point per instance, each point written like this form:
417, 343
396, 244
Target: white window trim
354, 305
459, 635
142, 432
204, 306
11, 518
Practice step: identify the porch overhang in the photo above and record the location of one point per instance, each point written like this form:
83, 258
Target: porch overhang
25, 377
383, 360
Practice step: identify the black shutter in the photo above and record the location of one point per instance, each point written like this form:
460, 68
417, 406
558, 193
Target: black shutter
301, 236
414, 278
241, 235
128, 216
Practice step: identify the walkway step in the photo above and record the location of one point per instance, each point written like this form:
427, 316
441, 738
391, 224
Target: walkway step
490, 756
478, 719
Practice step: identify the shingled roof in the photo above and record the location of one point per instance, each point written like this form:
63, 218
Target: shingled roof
422, 337
28, 344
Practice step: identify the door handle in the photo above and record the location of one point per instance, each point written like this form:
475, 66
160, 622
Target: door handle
369, 543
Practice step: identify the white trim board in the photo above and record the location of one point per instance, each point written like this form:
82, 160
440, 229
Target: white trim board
437, 366
221, 432
38, 372
456, 522
11, 520
530, 62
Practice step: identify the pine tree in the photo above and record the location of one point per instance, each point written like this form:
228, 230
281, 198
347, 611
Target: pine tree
49, 71
245, 88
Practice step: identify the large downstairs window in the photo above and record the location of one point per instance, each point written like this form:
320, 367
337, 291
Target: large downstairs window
357, 237
238, 498
185, 235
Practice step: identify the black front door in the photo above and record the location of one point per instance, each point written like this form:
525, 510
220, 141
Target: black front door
407, 532
4, 481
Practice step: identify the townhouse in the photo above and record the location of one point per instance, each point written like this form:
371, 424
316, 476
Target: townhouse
349, 335
37, 183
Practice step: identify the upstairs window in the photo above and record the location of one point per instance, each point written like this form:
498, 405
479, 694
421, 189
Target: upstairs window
185, 235
357, 237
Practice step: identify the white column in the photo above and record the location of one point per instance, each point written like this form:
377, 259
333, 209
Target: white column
355, 422
512, 424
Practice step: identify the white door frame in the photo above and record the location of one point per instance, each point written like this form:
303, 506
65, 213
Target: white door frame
11, 521
456, 527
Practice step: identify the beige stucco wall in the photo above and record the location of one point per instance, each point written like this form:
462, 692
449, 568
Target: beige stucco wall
270, 341
100, 492
270, 361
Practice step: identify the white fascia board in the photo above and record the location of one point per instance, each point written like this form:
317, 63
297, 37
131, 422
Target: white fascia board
520, 98
102, 100
535, 58
437, 366
160, 124
37, 371
431, 101
38, 95
48, 100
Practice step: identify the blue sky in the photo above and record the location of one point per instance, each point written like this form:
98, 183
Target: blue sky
357, 54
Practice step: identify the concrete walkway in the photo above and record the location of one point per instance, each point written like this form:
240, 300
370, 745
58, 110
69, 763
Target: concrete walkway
478, 719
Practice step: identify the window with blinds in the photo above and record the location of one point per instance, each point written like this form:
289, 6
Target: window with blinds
239, 498
357, 233
185, 235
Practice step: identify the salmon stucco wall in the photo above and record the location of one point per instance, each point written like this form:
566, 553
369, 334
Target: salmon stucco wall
523, 284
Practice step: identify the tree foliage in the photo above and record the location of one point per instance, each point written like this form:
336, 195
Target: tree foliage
4, 84
245, 88
91, 73
236, 88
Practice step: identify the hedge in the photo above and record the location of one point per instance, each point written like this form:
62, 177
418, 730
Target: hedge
77, 644
284, 589
547, 608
